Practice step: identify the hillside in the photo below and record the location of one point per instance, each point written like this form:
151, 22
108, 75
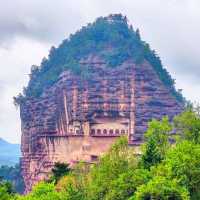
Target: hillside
9, 153
112, 38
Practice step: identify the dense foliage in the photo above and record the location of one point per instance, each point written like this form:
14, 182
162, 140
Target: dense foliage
59, 170
112, 38
168, 169
6, 190
13, 175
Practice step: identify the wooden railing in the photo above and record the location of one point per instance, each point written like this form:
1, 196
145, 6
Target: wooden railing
108, 133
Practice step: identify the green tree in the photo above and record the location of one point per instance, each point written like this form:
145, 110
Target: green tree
160, 188
117, 161
6, 190
4, 195
59, 170
183, 162
125, 185
187, 125
71, 189
43, 191
156, 142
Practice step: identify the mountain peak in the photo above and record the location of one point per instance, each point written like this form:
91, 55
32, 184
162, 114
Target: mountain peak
112, 38
116, 18
99, 84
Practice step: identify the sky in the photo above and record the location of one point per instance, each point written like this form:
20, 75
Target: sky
29, 28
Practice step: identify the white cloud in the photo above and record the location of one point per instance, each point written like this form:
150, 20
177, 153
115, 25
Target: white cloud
15, 65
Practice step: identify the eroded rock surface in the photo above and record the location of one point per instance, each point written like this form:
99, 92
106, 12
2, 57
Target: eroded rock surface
79, 118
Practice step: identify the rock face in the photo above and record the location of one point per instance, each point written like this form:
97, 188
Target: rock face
78, 119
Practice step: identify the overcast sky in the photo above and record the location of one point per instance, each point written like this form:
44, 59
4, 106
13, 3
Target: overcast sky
28, 28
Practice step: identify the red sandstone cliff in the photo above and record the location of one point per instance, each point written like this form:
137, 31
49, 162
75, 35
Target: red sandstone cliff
75, 117
79, 119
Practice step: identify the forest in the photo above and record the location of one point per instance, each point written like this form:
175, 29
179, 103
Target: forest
168, 168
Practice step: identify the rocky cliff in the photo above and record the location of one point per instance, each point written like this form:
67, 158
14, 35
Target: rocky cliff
80, 115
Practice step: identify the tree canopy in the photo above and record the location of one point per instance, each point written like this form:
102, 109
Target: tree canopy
164, 170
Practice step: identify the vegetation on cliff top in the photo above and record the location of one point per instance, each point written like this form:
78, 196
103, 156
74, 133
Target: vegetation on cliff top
110, 37
166, 170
